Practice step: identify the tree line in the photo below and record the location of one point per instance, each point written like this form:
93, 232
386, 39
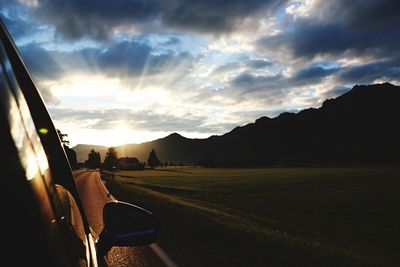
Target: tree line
110, 159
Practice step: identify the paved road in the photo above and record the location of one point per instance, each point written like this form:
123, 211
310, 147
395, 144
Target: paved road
94, 197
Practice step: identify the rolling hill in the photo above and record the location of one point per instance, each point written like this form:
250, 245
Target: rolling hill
360, 126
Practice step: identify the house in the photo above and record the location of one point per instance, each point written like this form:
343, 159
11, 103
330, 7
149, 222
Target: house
127, 163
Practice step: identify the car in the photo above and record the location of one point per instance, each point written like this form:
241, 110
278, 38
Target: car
43, 220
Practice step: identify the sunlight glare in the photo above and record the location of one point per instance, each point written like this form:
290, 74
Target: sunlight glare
86, 86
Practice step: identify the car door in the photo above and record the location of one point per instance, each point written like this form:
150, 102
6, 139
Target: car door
47, 221
46, 226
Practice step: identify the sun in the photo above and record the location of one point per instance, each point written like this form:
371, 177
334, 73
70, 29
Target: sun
124, 134
120, 135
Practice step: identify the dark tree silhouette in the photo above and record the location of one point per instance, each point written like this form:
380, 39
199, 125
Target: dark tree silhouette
111, 159
63, 138
94, 160
71, 154
153, 160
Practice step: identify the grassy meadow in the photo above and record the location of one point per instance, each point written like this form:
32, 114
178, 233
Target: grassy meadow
309, 216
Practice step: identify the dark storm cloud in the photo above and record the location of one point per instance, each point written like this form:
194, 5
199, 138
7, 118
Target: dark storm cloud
40, 62
258, 63
362, 14
130, 59
275, 89
251, 82
18, 19
127, 59
311, 75
214, 16
18, 27
310, 38
42, 66
137, 57
352, 27
367, 73
96, 18
128, 56
272, 90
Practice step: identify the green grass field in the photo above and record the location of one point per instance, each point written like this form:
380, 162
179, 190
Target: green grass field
329, 216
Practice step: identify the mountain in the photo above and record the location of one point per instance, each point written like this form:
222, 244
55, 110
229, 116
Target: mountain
360, 126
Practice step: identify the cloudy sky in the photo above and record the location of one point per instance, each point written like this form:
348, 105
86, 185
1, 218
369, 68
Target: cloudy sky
128, 71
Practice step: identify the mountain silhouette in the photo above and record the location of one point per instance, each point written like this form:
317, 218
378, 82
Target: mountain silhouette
360, 126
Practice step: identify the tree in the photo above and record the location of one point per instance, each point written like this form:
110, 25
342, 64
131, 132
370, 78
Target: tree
63, 138
153, 160
94, 160
111, 159
71, 154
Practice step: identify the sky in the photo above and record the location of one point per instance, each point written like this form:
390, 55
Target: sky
129, 71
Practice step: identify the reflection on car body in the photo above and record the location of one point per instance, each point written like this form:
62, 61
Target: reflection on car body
43, 217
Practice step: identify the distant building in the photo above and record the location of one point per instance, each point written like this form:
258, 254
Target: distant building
128, 163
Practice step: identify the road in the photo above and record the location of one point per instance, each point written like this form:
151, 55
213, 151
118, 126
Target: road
94, 196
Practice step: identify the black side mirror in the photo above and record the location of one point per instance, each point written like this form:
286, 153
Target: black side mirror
126, 225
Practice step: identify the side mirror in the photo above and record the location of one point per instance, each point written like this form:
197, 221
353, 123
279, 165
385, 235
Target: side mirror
126, 225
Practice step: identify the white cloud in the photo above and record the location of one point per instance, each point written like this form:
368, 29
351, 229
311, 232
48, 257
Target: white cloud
148, 73
302, 8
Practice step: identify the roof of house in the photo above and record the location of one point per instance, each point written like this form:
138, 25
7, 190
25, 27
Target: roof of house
128, 160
